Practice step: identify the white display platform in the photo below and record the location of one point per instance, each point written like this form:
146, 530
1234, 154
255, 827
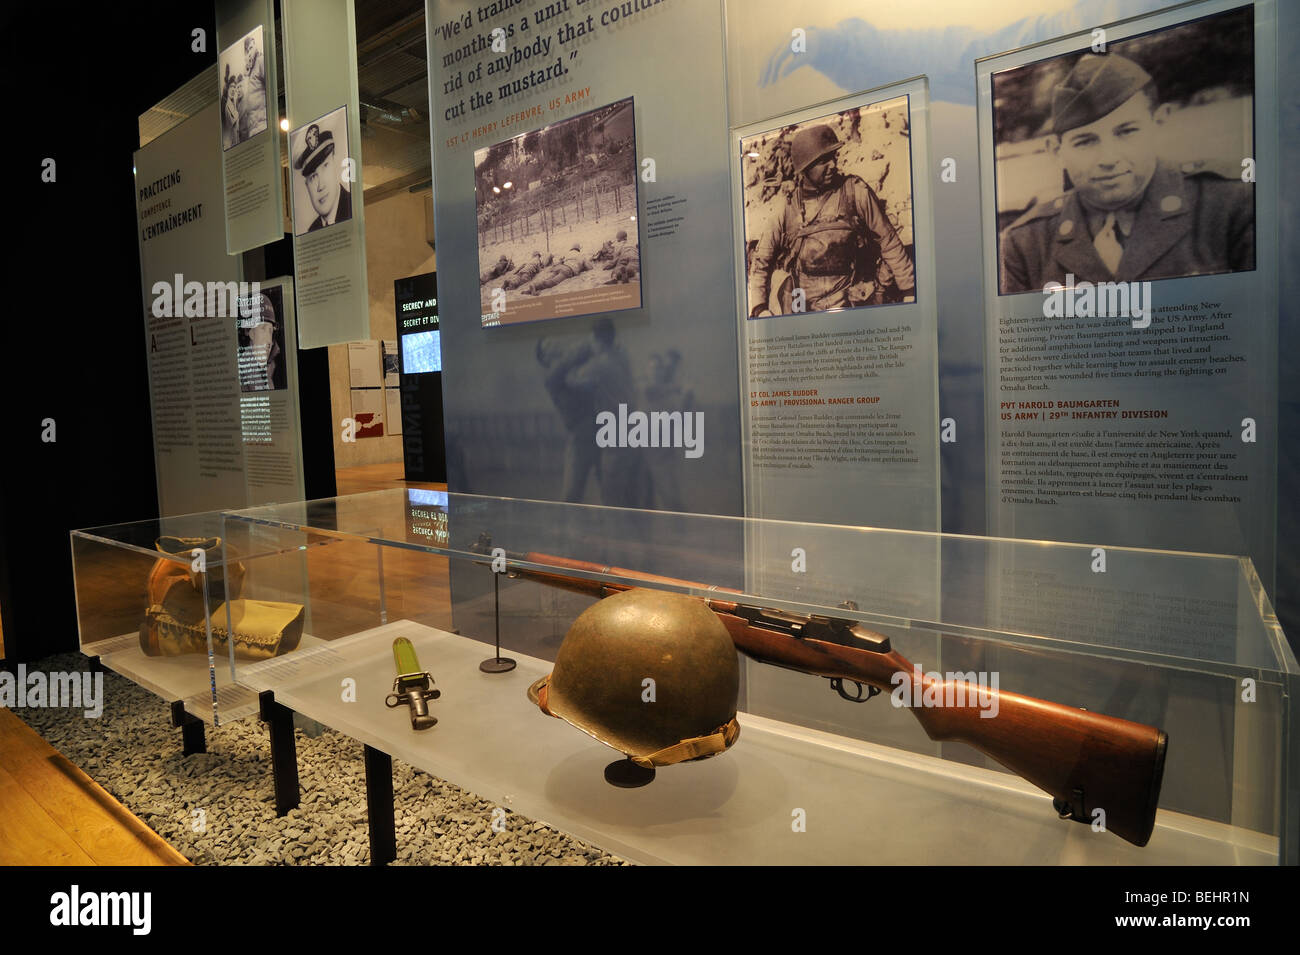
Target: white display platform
185, 677
861, 803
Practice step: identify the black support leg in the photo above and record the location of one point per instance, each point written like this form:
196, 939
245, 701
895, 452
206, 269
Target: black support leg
193, 737
379, 807
284, 751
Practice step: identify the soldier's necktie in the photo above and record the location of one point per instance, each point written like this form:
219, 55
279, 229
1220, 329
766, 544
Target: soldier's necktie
1108, 244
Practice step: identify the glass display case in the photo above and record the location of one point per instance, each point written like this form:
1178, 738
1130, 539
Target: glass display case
1145, 696
157, 601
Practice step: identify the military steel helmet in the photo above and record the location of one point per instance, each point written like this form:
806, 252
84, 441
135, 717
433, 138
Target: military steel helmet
599, 679
811, 144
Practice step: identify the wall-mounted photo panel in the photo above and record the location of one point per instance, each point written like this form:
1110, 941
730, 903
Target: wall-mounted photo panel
261, 352
828, 212
325, 171
242, 70
321, 163
392, 364
364, 365
249, 123
1104, 173
557, 219
1130, 202
838, 316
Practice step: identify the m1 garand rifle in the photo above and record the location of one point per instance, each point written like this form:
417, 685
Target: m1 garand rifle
1086, 761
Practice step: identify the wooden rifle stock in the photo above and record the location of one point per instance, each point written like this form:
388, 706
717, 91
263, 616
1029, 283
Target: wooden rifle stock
1086, 761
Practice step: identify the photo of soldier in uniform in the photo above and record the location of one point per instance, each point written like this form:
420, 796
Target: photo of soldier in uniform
242, 70
261, 350
828, 212
557, 219
321, 193
1122, 164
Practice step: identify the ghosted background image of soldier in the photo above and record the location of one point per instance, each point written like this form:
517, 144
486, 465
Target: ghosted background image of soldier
665, 393
583, 379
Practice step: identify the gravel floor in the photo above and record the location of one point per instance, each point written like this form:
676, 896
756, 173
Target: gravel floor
218, 807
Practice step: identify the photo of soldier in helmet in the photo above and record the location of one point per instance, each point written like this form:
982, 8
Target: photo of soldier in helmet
1124, 166
828, 203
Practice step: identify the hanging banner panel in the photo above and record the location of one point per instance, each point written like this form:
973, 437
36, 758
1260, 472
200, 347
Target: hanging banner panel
835, 248
586, 293
584, 252
329, 248
250, 123
192, 290
268, 399
1130, 276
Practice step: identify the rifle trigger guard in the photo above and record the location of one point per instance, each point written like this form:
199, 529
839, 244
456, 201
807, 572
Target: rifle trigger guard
837, 684
1073, 808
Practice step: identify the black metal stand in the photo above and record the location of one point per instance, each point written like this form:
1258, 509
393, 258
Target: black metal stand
498, 663
193, 737
626, 774
379, 806
284, 751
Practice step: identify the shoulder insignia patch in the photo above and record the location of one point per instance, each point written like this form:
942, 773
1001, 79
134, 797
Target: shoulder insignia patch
1040, 210
1211, 167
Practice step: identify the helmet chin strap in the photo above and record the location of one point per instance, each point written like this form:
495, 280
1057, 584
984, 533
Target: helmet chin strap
696, 748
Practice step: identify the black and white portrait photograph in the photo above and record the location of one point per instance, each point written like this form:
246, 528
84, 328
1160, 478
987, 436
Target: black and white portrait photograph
1129, 160
242, 71
321, 191
557, 219
828, 212
261, 348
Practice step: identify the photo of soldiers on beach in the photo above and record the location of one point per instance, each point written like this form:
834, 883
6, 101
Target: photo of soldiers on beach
1124, 165
557, 219
828, 212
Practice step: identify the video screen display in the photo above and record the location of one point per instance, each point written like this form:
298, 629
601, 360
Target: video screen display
421, 352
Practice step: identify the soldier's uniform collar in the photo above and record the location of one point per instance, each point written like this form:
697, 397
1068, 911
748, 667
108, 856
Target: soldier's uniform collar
1158, 222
